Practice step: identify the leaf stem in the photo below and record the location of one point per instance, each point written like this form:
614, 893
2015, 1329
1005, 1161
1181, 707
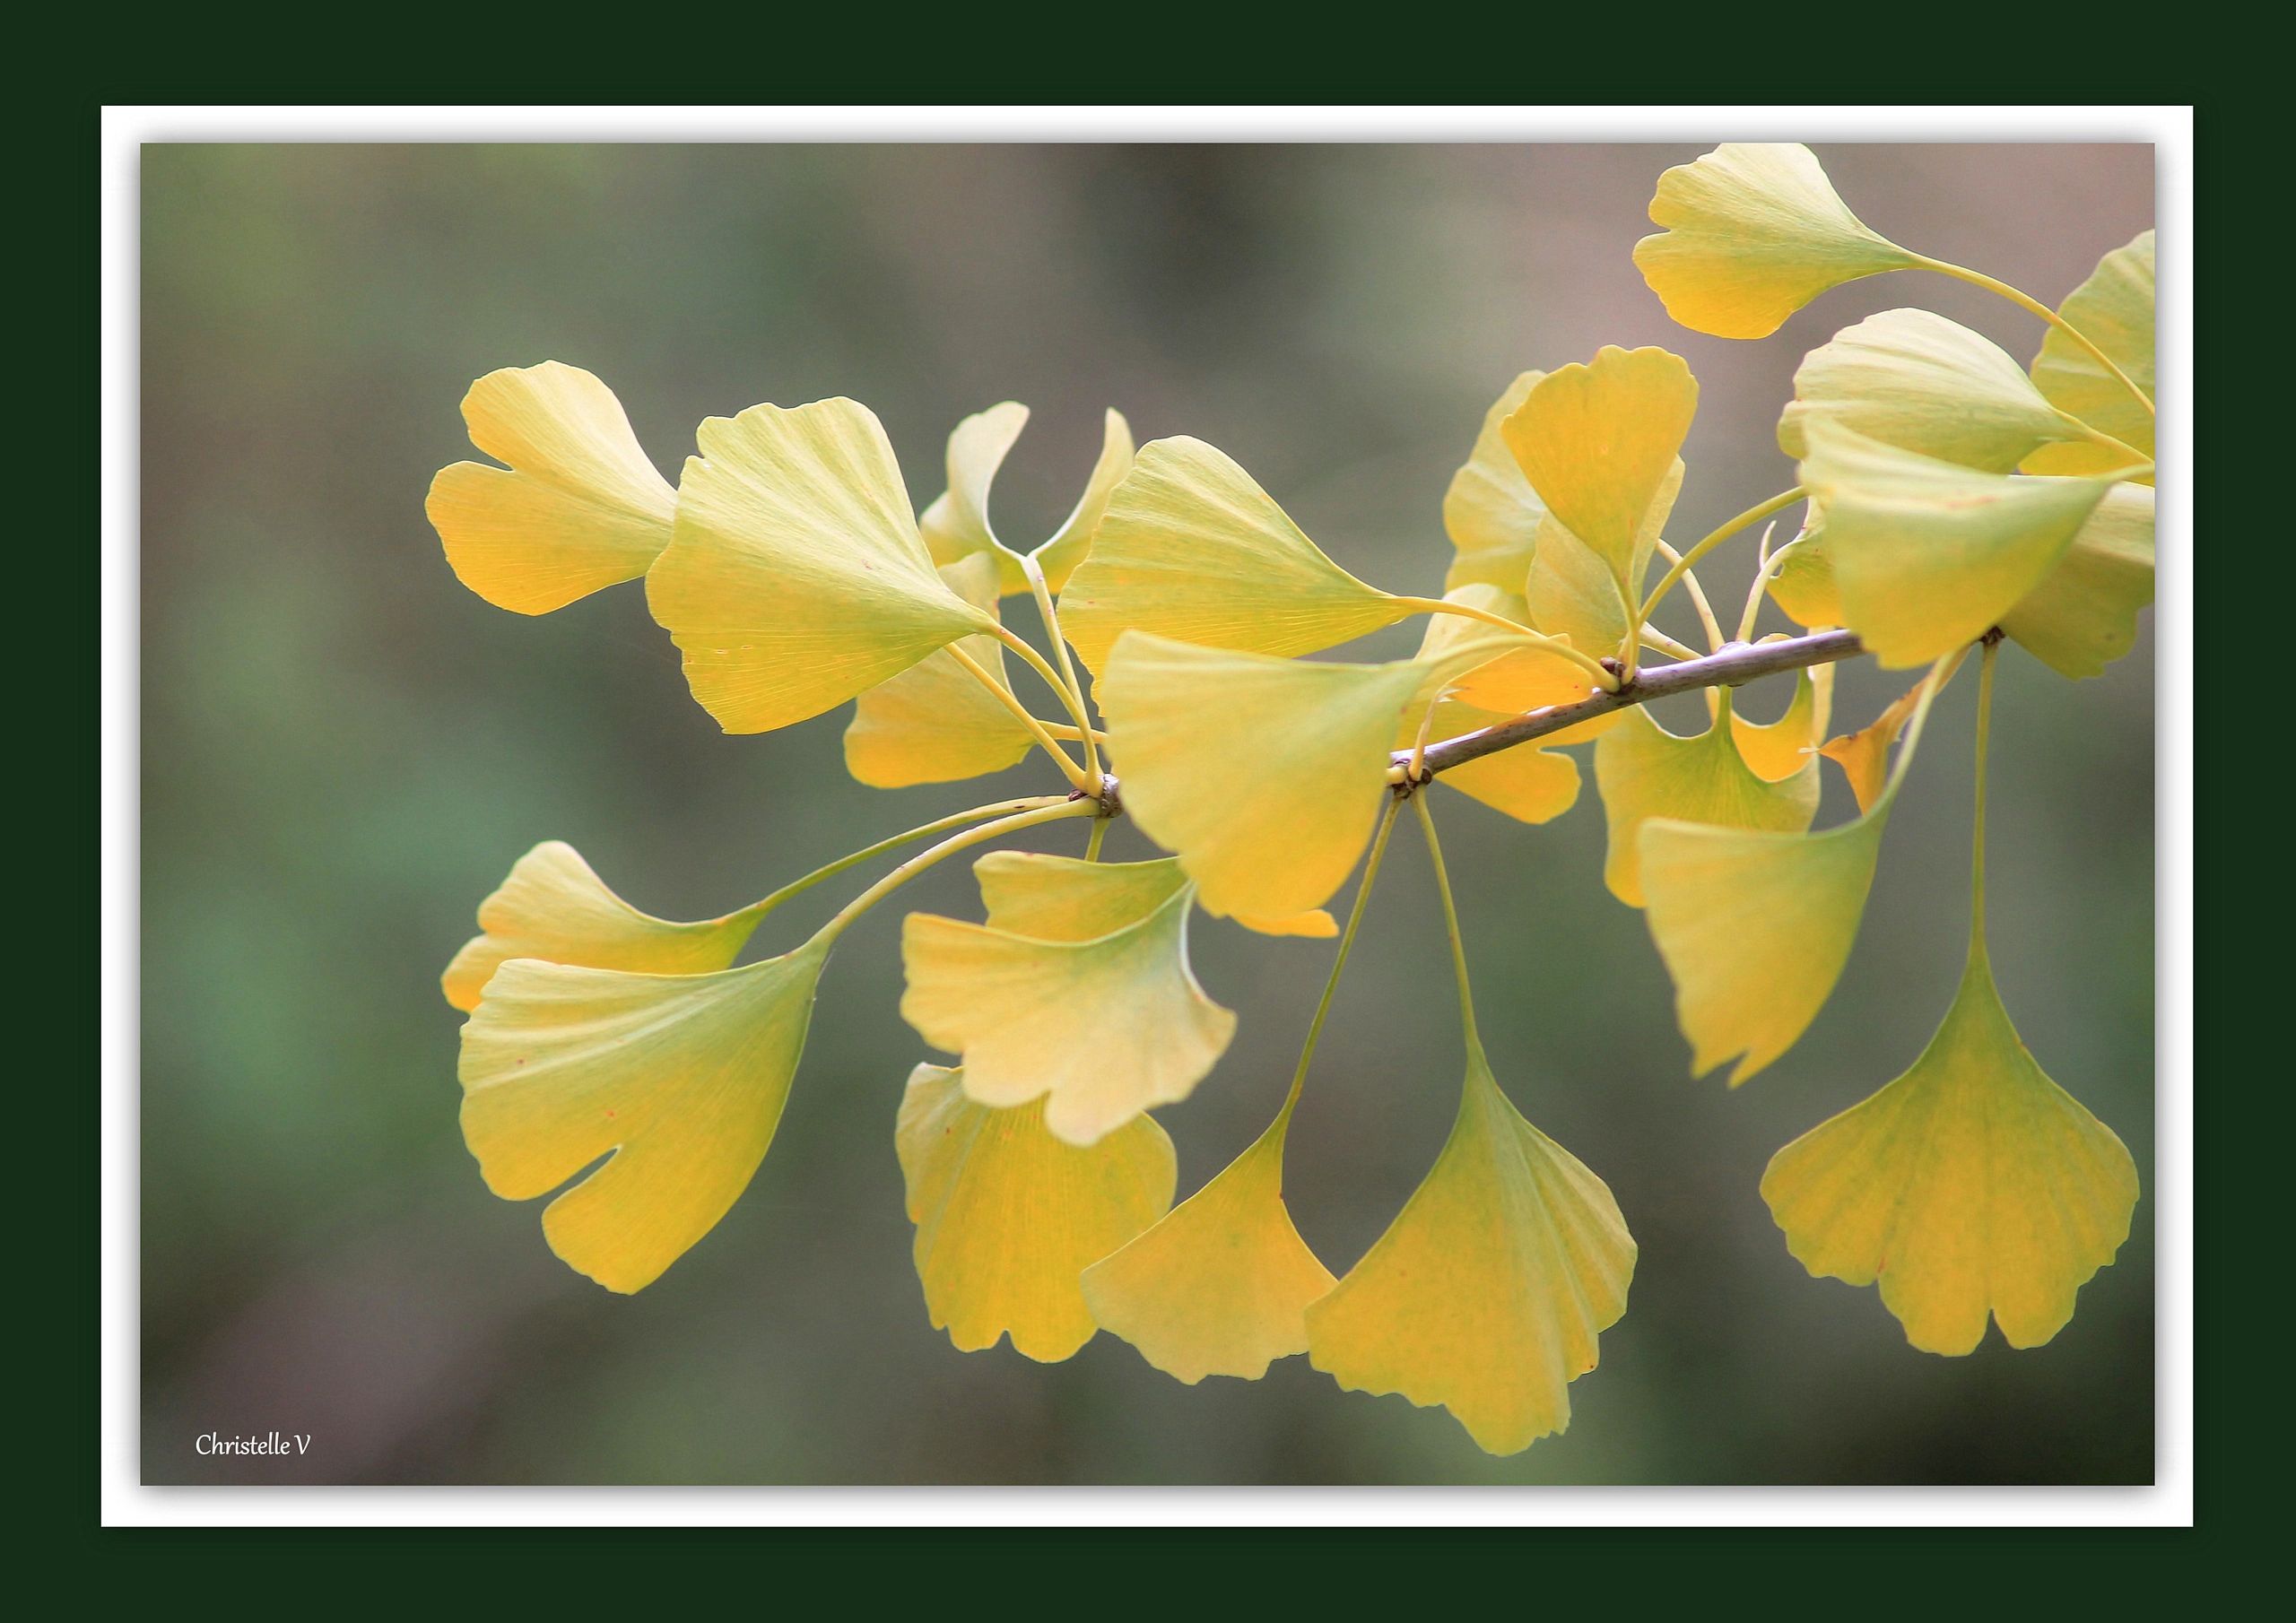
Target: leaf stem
2026, 301
1450, 918
845, 916
1560, 645
956, 819
1697, 598
1070, 700
1346, 942
1042, 592
1706, 543
1976, 838
1003, 696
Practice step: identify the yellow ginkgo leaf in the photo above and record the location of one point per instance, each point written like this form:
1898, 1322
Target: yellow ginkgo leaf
1777, 750
2113, 309
1971, 1185
681, 1077
1077, 992
1526, 783
553, 908
1220, 1286
1645, 771
1488, 1291
1913, 380
1803, 583
1315, 924
1529, 678
1008, 1216
956, 526
1571, 593
1264, 774
1490, 513
1598, 443
2083, 615
935, 722
796, 578
1927, 555
579, 507
1752, 232
1864, 756
1072, 542
1191, 549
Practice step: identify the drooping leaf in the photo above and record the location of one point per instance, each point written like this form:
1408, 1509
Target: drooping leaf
579, 507
1645, 771
1777, 750
797, 579
1913, 380
1599, 441
1220, 1286
935, 722
1077, 991
1528, 678
1072, 542
1264, 774
1927, 555
2083, 616
1191, 549
1490, 513
1752, 232
1315, 924
1488, 1291
1803, 584
553, 908
1008, 1216
681, 1077
956, 526
2113, 309
1528, 783
1864, 756
1572, 592
1973, 1185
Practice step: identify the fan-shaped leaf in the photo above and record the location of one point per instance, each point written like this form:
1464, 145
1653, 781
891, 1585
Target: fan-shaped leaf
935, 722
1490, 513
2083, 616
956, 526
2113, 309
1645, 771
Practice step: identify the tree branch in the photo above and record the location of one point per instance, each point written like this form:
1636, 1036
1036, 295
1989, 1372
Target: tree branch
1737, 662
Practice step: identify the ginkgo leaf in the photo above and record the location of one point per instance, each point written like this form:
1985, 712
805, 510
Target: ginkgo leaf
2083, 616
1487, 1293
1571, 593
1972, 1185
1754, 230
956, 526
553, 908
1191, 549
1913, 380
2113, 309
1220, 1286
1777, 750
1598, 443
1314, 924
1490, 513
1529, 678
1928, 555
1864, 756
1008, 1216
1645, 771
1803, 583
580, 507
935, 722
796, 578
681, 1077
1526, 783
1077, 992
1264, 774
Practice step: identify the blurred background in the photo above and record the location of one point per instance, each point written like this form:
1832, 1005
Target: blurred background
344, 752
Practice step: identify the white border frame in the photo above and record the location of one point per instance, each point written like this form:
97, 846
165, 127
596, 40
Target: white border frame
125, 1501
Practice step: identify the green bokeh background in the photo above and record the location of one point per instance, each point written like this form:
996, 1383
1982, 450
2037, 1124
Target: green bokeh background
344, 751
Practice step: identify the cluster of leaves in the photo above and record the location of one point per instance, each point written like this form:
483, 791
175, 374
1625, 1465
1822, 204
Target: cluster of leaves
1952, 498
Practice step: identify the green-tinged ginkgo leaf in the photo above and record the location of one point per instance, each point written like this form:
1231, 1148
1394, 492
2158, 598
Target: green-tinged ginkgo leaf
579, 507
1598, 443
1264, 774
1490, 513
1008, 1216
1913, 380
553, 908
1927, 555
1077, 991
1220, 1286
1755, 926
1777, 750
1803, 582
1529, 678
1571, 593
1191, 549
1645, 771
1971, 1185
1488, 1291
1752, 232
681, 1077
957, 526
2113, 309
2083, 615
797, 579
936, 722
1526, 783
